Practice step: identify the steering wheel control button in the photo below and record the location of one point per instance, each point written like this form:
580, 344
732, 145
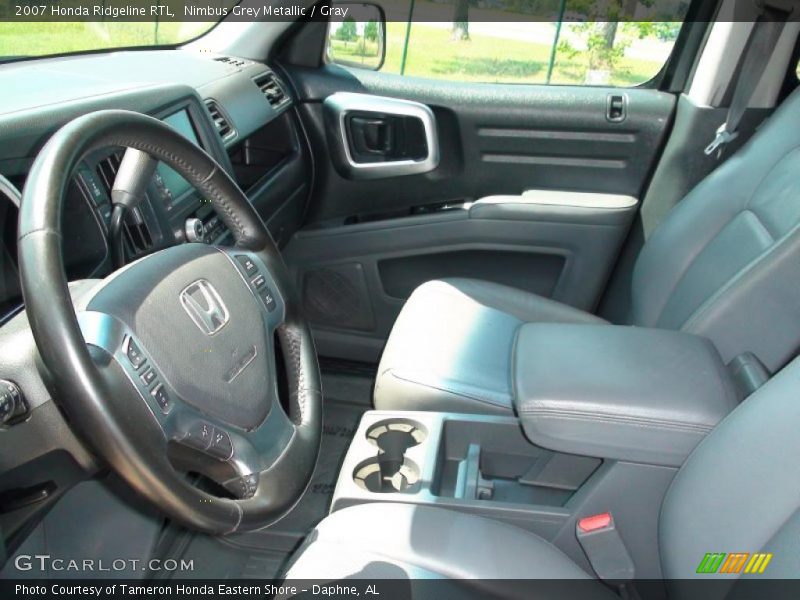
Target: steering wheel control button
243, 487
161, 396
258, 281
268, 299
148, 376
134, 354
248, 265
221, 446
199, 436
250, 484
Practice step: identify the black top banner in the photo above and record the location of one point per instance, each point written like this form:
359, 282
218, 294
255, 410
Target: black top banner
211, 11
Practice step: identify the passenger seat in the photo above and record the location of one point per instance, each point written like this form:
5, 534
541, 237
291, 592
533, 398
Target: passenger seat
724, 264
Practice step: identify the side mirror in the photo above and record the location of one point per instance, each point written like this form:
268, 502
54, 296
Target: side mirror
357, 35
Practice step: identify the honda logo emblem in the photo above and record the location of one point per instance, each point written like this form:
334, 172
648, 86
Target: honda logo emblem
202, 303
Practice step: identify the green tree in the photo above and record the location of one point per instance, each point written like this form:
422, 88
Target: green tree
371, 31
347, 31
603, 47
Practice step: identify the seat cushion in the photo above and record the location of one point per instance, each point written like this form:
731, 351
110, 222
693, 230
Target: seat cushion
451, 347
406, 541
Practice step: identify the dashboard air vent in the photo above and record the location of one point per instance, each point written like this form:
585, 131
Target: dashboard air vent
272, 89
222, 124
135, 231
107, 170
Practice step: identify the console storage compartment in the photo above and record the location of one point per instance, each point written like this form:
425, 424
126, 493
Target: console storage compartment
489, 461
626, 393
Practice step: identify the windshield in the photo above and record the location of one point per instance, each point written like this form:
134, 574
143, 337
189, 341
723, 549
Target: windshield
28, 39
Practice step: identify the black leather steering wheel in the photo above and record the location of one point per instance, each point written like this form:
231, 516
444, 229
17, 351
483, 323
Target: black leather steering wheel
171, 364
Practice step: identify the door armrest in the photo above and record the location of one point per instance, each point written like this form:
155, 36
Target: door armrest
596, 209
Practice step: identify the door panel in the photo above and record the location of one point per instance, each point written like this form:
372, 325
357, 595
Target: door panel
368, 243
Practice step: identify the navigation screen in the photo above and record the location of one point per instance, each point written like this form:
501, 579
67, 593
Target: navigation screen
172, 185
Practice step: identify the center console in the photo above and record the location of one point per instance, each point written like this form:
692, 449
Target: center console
605, 416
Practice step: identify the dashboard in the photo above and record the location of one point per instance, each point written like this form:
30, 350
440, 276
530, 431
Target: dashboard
239, 111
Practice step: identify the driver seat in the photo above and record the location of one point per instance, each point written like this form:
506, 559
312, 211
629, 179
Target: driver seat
746, 467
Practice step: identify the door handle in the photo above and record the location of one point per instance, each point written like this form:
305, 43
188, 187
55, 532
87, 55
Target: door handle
616, 108
372, 135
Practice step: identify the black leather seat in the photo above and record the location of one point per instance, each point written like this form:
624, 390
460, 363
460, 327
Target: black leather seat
724, 264
737, 492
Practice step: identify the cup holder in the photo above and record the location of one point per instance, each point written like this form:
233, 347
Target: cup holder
395, 436
384, 475
391, 471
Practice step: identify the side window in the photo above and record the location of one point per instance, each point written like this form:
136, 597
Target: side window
518, 41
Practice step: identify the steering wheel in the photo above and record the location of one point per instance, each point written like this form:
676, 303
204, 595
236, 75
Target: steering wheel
171, 366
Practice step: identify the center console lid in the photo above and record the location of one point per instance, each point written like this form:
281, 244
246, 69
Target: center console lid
615, 392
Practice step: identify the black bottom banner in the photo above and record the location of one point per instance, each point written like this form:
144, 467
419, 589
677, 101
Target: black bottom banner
397, 589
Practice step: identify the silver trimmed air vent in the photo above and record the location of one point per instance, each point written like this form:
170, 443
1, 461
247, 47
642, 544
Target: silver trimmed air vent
136, 234
221, 122
273, 90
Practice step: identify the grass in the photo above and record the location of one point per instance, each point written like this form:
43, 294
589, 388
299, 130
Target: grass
485, 58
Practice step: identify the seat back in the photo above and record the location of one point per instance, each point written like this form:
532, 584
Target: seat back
725, 263
739, 492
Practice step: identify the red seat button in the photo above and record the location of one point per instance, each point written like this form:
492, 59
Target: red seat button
595, 522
